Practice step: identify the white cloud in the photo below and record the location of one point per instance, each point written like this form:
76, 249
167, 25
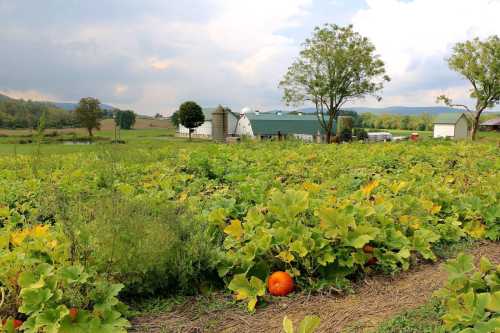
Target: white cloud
410, 35
33, 95
120, 89
160, 64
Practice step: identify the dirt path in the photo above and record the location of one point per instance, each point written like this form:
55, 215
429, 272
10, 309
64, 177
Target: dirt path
375, 300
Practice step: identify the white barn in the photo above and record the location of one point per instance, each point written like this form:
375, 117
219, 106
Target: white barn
451, 125
205, 130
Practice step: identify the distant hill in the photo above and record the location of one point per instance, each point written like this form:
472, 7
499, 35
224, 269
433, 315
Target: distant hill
401, 110
68, 106
4, 97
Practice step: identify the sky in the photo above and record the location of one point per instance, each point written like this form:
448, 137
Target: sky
151, 55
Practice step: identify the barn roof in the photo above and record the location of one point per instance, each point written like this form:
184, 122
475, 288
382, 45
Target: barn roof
492, 122
208, 113
271, 123
448, 118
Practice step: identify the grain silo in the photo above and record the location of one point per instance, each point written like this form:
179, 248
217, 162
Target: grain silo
219, 124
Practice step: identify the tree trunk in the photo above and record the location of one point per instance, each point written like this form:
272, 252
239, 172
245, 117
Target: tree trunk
475, 126
90, 132
190, 131
329, 136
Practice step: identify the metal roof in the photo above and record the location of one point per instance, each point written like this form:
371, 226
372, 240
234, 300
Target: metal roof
272, 123
448, 118
492, 122
208, 113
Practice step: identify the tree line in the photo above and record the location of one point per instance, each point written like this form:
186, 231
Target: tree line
26, 114
21, 114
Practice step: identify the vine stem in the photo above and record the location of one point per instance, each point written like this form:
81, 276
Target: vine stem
2, 290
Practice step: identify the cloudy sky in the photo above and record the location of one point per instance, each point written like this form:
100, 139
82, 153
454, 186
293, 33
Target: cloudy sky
150, 55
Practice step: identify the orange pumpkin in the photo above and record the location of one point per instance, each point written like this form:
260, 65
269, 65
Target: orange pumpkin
73, 312
368, 249
372, 261
280, 284
17, 323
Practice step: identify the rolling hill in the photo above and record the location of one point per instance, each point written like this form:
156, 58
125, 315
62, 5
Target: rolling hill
400, 110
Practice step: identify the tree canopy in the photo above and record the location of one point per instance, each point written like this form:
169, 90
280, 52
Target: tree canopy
337, 65
479, 62
125, 119
191, 116
89, 113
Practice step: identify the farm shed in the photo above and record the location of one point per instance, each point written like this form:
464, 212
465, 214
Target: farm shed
491, 125
267, 125
205, 130
451, 125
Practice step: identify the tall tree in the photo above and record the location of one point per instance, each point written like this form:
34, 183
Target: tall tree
174, 119
125, 119
337, 65
479, 62
191, 116
89, 114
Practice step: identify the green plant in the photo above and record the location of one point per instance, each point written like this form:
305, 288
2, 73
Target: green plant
471, 297
307, 325
47, 294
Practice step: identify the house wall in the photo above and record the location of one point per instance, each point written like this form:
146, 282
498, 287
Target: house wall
461, 129
444, 130
205, 130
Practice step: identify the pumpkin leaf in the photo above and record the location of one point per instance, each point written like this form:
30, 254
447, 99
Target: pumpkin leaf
235, 229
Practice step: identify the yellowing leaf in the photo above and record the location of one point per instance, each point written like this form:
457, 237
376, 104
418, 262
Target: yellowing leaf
235, 229
183, 196
17, 237
368, 189
311, 187
40, 230
435, 209
286, 256
476, 229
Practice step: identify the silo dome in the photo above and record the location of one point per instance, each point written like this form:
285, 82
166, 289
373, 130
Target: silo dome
246, 109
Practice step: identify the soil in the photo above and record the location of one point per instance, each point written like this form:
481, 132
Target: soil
376, 298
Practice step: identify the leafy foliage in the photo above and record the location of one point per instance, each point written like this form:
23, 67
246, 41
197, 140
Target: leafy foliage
307, 325
337, 65
479, 62
191, 116
471, 297
89, 113
125, 119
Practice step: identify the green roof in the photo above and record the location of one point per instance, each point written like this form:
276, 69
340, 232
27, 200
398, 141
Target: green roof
448, 118
271, 124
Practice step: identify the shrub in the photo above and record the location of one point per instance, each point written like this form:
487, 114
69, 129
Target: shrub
360, 134
145, 246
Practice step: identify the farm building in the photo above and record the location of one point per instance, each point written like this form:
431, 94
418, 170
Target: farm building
268, 125
451, 125
221, 123
491, 125
206, 129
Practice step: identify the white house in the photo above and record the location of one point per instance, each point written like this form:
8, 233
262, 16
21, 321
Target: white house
451, 125
205, 130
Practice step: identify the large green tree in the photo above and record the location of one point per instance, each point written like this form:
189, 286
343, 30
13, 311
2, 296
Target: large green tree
89, 114
191, 116
479, 62
125, 119
336, 66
